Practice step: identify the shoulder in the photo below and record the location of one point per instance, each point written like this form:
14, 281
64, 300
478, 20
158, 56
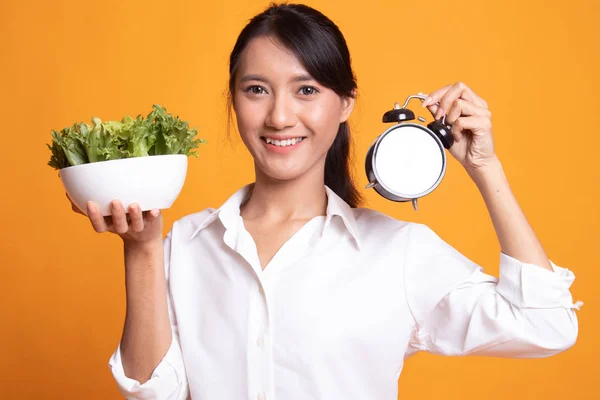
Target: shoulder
375, 223
372, 219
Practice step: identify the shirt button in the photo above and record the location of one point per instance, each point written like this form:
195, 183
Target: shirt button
260, 341
261, 396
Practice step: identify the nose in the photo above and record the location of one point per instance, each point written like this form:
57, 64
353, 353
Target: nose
282, 114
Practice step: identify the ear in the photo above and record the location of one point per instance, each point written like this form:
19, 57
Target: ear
347, 107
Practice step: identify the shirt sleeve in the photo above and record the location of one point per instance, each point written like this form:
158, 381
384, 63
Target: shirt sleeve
168, 380
527, 312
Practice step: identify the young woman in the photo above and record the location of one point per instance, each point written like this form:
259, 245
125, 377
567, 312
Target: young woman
289, 290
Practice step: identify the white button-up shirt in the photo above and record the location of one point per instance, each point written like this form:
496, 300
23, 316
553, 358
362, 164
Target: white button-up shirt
338, 309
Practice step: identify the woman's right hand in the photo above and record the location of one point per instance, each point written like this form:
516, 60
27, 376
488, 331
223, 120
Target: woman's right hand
136, 228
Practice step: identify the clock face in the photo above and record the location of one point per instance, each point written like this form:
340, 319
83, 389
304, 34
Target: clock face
409, 161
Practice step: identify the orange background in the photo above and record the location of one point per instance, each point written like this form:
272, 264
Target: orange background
535, 62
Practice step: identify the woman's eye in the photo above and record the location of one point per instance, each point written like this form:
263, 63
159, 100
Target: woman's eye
255, 89
305, 90
309, 90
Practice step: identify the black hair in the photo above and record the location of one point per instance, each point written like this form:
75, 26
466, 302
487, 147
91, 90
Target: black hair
320, 46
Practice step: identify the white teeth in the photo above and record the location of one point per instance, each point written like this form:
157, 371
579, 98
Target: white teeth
283, 143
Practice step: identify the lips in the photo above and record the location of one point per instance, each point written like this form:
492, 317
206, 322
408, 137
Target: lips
283, 145
283, 142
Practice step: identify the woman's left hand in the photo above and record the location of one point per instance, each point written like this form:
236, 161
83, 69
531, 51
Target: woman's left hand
471, 123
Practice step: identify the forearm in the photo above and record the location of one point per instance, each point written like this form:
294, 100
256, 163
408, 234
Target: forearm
517, 238
147, 332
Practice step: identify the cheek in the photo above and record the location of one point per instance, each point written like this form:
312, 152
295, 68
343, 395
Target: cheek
249, 117
323, 119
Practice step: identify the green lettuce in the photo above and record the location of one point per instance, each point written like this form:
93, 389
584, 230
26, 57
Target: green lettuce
159, 133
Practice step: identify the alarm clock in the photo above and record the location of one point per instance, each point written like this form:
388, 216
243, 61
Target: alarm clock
408, 160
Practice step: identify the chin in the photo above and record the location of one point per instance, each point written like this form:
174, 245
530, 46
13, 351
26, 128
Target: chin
287, 167
280, 174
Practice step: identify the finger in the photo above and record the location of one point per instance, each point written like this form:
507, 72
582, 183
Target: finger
73, 206
454, 93
76, 209
153, 214
96, 218
476, 124
118, 216
471, 96
466, 93
137, 218
434, 96
462, 107
433, 109
446, 96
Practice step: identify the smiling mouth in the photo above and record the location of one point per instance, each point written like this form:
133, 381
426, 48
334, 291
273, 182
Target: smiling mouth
283, 143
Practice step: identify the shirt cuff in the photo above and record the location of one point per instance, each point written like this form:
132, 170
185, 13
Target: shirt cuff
167, 378
530, 286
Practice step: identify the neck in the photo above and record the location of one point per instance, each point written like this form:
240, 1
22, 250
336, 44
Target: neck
300, 198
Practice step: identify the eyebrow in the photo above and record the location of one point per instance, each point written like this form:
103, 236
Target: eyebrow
297, 78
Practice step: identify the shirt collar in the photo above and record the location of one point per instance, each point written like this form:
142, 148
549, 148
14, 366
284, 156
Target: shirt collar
227, 213
230, 211
337, 206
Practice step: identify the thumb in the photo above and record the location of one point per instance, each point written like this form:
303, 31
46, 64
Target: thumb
433, 109
155, 212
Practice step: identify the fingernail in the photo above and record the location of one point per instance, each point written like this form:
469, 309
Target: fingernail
90, 207
154, 213
426, 102
114, 204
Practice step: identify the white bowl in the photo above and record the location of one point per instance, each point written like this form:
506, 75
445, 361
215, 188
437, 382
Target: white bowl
151, 181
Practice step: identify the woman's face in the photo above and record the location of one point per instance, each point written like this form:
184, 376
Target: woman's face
286, 119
